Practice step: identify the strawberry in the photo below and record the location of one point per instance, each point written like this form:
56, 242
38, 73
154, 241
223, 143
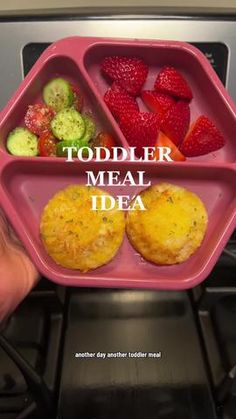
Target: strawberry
164, 141
170, 81
119, 101
157, 102
175, 122
130, 72
116, 86
203, 138
140, 130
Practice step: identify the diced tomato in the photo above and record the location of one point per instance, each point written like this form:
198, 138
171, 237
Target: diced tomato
47, 145
164, 141
78, 98
38, 118
104, 139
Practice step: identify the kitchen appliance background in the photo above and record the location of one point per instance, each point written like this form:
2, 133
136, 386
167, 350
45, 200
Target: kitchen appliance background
194, 330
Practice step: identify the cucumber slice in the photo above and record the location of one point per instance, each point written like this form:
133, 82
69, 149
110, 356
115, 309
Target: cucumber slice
78, 144
90, 127
58, 94
68, 124
22, 142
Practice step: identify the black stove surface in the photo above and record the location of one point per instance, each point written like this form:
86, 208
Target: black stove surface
135, 324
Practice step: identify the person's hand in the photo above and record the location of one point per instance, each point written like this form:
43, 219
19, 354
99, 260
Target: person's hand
17, 273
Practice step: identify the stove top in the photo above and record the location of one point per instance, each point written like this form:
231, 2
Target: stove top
51, 363
215, 35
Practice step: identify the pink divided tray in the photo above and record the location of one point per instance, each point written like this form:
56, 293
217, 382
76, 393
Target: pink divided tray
26, 184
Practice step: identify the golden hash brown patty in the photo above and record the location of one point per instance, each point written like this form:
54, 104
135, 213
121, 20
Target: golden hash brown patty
172, 227
76, 236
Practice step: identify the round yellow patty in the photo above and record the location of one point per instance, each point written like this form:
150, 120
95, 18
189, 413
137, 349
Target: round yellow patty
76, 236
172, 227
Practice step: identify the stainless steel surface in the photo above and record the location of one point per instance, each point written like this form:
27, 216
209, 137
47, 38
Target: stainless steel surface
15, 35
30, 7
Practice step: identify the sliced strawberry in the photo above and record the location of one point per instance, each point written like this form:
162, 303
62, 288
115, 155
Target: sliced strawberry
164, 141
119, 101
203, 138
157, 102
170, 81
140, 130
38, 118
130, 72
175, 122
118, 88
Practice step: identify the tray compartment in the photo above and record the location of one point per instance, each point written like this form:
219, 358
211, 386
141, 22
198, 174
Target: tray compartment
23, 183
216, 103
31, 92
